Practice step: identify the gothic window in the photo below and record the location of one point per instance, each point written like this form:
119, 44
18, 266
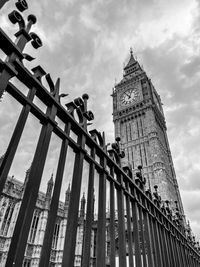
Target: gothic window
137, 127
7, 219
141, 127
126, 129
94, 243
141, 155
34, 226
130, 132
27, 263
56, 235
128, 154
145, 154
132, 157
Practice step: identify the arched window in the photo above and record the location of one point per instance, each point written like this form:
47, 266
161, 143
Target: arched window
27, 263
7, 219
56, 234
34, 226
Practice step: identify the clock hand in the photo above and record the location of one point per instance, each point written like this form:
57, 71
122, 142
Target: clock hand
130, 94
126, 94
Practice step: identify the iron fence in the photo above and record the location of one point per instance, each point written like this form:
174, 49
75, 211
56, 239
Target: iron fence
117, 222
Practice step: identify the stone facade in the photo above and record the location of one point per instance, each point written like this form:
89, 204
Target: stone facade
10, 202
140, 123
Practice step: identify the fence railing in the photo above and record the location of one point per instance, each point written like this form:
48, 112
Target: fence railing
107, 218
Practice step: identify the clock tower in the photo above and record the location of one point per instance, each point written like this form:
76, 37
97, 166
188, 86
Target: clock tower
140, 123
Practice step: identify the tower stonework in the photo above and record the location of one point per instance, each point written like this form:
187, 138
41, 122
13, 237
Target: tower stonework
140, 123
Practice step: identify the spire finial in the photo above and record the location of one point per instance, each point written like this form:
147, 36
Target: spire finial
131, 51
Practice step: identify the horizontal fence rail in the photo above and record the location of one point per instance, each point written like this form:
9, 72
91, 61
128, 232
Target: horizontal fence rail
108, 218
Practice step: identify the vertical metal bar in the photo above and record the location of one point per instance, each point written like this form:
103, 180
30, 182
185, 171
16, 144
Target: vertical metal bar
185, 254
166, 248
183, 260
170, 256
172, 245
141, 222
89, 215
188, 255
70, 236
47, 243
192, 261
138, 259
14, 141
101, 225
154, 245
149, 242
195, 261
157, 241
161, 241
112, 222
129, 231
22, 226
174, 249
121, 224
182, 252
179, 251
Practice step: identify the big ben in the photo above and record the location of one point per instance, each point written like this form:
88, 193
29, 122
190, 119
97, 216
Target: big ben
140, 123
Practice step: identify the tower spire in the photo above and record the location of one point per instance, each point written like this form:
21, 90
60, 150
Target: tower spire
132, 63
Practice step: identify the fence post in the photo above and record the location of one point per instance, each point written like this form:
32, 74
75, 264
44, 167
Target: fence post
47, 242
22, 226
101, 224
89, 214
112, 222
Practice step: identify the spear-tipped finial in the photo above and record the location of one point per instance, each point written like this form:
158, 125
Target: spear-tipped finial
131, 51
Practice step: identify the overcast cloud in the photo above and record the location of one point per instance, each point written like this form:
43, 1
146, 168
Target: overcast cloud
86, 44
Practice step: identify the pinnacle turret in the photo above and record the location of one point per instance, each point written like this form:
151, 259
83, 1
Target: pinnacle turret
50, 187
67, 196
82, 210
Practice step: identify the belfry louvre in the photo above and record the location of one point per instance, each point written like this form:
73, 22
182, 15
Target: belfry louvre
102, 206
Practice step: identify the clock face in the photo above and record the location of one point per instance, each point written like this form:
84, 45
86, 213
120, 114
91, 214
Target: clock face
129, 96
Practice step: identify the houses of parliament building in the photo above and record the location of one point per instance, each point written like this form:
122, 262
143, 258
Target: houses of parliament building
140, 123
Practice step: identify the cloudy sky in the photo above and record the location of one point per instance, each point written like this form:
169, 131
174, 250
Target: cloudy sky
86, 43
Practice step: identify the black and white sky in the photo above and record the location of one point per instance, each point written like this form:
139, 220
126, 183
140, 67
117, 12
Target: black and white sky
86, 43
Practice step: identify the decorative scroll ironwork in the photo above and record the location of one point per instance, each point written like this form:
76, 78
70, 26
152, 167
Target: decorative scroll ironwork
135, 229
